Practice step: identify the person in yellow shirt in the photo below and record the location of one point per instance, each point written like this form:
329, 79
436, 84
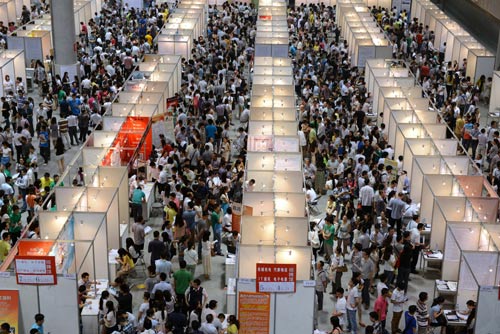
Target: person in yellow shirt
46, 181
4, 246
125, 259
149, 38
234, 325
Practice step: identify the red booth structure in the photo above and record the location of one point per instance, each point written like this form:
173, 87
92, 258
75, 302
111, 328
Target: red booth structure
133, 142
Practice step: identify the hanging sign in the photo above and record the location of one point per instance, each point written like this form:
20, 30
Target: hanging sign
36, 270
276, 277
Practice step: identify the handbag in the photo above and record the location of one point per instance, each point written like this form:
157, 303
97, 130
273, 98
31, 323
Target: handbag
342, 269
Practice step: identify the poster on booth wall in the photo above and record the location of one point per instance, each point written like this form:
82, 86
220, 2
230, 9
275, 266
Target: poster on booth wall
254, 310
276, 277
9, 309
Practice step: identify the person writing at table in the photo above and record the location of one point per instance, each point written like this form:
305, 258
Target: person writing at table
126, 262
471, 316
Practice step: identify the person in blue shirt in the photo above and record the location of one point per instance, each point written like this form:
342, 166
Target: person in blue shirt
38, 325
410, 320
44, 144
210, 130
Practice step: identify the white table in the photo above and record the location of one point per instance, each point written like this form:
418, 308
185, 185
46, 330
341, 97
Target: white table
123, 234
455, 319
90, 313
230, 268
428, 256
113, 264
149, 191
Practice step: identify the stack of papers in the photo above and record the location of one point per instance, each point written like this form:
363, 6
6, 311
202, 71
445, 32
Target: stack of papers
452, 286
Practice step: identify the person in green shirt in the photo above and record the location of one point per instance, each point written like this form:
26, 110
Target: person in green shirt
182, 279
15, 225
216, 221
328, 234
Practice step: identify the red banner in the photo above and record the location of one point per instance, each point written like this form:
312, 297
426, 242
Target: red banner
254, 310
36, 270
276, 277
9, 309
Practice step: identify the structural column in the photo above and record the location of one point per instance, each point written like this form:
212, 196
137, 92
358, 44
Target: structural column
64, 36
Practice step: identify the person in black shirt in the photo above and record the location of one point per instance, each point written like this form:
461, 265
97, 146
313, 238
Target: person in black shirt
124, 298
405, 259
178, 320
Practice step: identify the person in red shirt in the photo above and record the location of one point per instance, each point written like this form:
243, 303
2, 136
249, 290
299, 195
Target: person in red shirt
381, 305
425, 70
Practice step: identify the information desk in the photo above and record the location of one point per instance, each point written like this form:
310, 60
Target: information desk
90, 312
430, 257
456, 319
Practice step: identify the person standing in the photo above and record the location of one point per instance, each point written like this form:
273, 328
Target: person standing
182, 279
398, 299
405, 259
352, 305
73, 129
38, 325
367, 268
410, 320
328, 233
138, 197
321, 283
216, 220
422, 313
417, 246
139, 235
397, 207
340, 307
191, 257
60, 154
156, 247
44, 144
381, 307
206, 253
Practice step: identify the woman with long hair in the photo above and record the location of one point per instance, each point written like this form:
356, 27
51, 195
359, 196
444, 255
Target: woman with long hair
389, 261
206, 252
234, 325
125, 260
131, 248
60, 154
103, 309
110, 317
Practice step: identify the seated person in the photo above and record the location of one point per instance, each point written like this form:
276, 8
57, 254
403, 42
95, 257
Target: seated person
232, 241
125, 260
132, 249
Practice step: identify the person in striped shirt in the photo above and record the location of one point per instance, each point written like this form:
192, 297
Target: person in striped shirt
422, 313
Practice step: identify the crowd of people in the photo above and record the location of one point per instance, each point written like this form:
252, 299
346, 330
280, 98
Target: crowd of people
370, 230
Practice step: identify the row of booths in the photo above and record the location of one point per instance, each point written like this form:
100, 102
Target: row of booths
35, 38
91, 219
274, 222
453, 198
460, 44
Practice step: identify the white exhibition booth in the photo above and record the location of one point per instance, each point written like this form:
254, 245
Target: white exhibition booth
12, 64
494, 112
478, 280
426, 146
35, 43
462, 237
459, 43
435, 165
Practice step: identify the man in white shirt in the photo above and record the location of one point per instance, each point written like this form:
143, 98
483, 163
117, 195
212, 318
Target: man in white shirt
163, 285
398, 299
353, 299
310, 194
208, 327
163, 265
340, 307
366, 195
